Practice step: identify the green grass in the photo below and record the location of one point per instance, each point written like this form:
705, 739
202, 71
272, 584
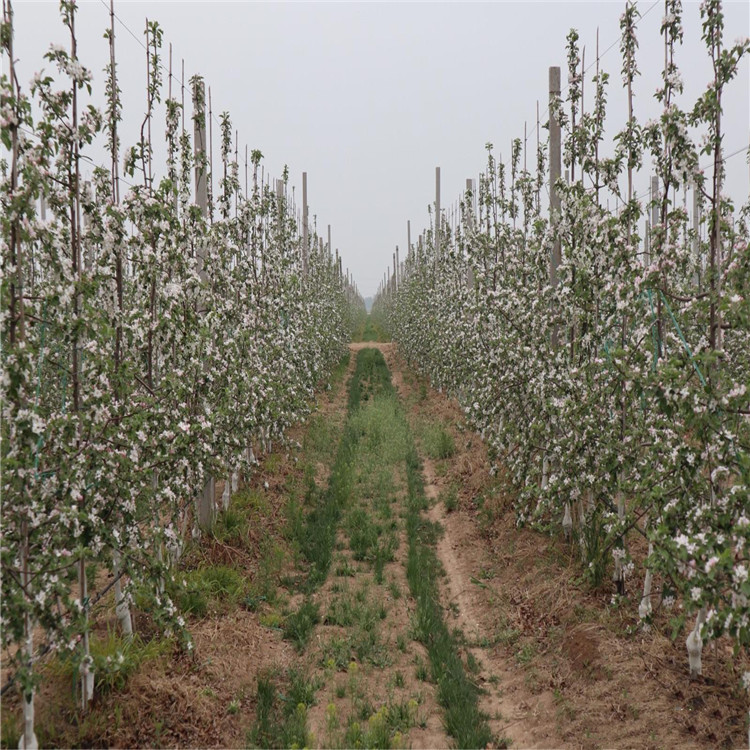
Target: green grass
116, 659
298, 626
449, 497
315, 531
369, 330
385, 440
217, 587
376, 440
281, 719
456, 693
437, 442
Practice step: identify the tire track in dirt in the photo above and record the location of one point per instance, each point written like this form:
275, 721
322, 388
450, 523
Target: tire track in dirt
515, 713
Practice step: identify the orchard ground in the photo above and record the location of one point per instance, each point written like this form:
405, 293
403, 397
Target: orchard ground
370, 589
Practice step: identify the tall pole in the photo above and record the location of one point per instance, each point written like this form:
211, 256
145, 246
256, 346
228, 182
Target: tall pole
696, 236
555, 167
437, 212
199, 146
654, 208
304, 223
206, 499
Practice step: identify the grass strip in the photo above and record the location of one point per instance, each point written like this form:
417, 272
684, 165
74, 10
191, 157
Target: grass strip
456, 693
317, 535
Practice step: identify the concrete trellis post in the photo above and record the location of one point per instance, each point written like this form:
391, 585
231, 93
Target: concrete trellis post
555, 167
437, 212
696, 245
280, 199
398, 269
206, 499
654, 212
305, 229
470, 226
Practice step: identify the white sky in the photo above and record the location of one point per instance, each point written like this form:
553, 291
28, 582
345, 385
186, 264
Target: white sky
368, 98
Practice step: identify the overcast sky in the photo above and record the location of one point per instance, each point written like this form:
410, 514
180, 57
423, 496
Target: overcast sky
368, 98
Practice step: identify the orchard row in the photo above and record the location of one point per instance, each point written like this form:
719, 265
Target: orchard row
608, 368
151, 342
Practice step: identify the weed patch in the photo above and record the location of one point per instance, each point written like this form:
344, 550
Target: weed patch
281, 721
298, 626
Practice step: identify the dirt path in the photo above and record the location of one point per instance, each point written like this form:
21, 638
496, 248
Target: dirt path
516, 714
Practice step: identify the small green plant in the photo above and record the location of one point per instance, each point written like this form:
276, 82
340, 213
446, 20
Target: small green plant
526, 653
345, 569
271, 620
337, 653
298, 626
10, 730
213, 585
301, 688
278, 723
421, 672
116, 659
472, 664
450, 499
231, 526
593, 543
438, 442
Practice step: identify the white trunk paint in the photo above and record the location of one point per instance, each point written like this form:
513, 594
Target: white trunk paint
644, 608
28, 738
694, 644
122, 608
567, 522
226, 495
86, 670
